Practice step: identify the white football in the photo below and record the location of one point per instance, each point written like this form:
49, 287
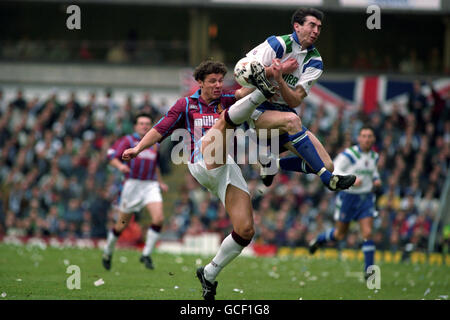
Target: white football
242, 71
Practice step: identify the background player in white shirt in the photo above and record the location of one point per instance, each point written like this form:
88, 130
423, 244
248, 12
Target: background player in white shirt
358, 202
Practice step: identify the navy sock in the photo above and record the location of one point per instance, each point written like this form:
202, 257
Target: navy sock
326, 236
368, 249
306, 149
295, 164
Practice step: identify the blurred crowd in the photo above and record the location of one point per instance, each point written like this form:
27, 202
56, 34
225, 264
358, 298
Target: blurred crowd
55, 179
54, 176
403, 60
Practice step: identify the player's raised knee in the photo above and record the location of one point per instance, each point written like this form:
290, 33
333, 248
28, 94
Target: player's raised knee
292, 122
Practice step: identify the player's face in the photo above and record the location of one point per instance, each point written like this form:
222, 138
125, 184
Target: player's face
142, 126
211, 86
309, 32
366, 139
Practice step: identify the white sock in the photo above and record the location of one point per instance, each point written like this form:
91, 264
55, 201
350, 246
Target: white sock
152, 237
242, 109
229, 249
110, 243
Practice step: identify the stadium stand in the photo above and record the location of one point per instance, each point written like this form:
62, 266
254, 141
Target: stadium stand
55, 180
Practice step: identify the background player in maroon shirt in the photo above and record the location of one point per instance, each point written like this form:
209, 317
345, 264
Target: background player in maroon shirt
221, 175
141, 187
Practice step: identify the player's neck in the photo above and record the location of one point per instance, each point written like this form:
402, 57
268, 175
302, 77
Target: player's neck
208, 100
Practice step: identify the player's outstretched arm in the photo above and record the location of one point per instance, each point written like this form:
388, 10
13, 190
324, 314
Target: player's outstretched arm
147, 141
119, 165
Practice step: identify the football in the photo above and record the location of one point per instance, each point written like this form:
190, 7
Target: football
242, 71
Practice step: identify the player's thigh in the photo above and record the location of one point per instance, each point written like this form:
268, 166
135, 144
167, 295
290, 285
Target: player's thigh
239, 208
323, 154
285, 121
365, 226
123, 221
132, 196
155, 210
214, 142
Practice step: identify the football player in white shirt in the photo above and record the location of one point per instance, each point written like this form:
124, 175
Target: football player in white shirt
301, 65
358, 202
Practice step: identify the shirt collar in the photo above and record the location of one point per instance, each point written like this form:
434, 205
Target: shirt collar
135, 134
295, 37
360, 150
197, 94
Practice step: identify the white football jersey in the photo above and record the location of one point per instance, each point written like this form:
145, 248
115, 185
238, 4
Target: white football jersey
286, 47
362, 164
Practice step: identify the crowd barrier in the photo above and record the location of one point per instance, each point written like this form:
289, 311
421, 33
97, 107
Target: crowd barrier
207, 244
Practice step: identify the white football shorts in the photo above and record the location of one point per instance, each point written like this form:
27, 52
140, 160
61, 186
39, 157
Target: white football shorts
216, 180
138, 193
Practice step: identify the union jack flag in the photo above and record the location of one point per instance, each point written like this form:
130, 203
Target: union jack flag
370, 92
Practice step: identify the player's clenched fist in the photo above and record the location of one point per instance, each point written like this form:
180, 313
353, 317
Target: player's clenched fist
129, 154
289, 66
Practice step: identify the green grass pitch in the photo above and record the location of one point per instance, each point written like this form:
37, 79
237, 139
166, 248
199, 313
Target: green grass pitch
29, 272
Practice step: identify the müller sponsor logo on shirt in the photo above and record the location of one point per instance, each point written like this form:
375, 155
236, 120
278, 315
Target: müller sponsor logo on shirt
147, 154
205, 120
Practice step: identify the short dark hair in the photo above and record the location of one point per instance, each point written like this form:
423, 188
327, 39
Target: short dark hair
209, 67
367, 127
140, 115
301, 14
